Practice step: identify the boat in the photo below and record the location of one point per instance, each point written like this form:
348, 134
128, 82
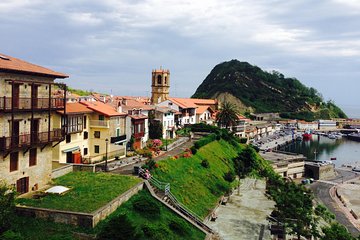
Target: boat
333, 158
307, 135
298, 138
354, 136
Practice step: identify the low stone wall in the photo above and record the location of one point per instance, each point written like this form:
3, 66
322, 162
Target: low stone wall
88, 220
58, 172
84, 167
177, 143
105, 211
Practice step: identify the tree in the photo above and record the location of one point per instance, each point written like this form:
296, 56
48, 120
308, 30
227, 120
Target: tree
155, 127
336, 232
7, 206
228, 115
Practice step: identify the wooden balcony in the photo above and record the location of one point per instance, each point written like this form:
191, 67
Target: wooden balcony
118, 139
8, 104
100, 123
138, 135
29, 140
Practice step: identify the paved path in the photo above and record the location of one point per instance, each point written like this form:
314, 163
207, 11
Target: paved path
322, 194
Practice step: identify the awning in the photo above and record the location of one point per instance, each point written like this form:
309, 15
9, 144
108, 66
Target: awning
71, 149
119, 142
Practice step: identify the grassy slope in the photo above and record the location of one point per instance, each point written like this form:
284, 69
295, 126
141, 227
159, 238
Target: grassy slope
197, 187
157, 223
89, 191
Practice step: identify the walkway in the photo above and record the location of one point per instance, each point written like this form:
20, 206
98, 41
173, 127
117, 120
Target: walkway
244, 216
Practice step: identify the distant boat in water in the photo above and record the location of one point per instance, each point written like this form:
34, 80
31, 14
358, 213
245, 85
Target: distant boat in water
307, 135
333, 158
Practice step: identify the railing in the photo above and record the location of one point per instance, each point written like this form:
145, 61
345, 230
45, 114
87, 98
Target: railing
165, 187
99, 123
9, 103
102, 157
27, 140
117, 139
138, 135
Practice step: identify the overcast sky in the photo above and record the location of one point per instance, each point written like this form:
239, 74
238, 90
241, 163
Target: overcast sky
112, 46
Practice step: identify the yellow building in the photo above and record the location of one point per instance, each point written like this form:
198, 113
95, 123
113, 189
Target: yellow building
76, 145
27, 130
107, 133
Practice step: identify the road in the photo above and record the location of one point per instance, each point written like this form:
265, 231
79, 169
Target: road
321, 192
128, 169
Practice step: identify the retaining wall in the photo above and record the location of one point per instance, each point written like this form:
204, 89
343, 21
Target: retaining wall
61, 171
88, 220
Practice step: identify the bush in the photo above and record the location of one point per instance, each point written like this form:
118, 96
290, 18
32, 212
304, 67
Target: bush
119, 228
178, 227
10, 235
150, 164
158, 232
144, 206
193, 150
205, 163
204, 141
229, 176
243, 140
7, 203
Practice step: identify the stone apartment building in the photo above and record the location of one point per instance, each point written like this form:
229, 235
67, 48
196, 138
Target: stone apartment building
27, 130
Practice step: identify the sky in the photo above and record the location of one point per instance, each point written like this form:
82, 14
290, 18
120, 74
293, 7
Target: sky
112, 46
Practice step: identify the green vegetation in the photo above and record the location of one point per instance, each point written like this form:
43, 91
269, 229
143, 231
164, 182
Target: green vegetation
266, 91
7, 206
228, 115
198, 187
143, 217
79, 91
89, 191
336, 232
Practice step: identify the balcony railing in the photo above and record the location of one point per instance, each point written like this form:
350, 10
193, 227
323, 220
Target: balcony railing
117, 139
9, 103
100, 123
139, 135
27, 140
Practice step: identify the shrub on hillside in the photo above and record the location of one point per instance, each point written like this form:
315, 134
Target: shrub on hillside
144, 206
158, 232
204, 141
205, 163
229, 176
178, 227
119, 228
10, 235
193, 150
243, 140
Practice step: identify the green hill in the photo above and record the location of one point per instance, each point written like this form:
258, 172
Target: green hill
255, 90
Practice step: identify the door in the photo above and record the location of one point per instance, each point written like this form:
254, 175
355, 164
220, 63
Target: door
69, 157
35, 131
22, 185
34, 96
15, 95
15, 130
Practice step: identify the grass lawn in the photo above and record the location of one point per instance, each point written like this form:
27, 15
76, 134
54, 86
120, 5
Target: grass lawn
89, 191
197, 187
143, 217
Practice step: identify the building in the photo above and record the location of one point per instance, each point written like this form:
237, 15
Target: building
303, 125
75, 147
327, 125
27, 129
185, 108
107, 133
160, 86
166, 116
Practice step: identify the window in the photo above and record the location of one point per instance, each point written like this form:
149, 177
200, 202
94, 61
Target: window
101, 117
68, 138
14, 160
86, 135
159, 79
117, 120
118, 132
97, 149
165, 80
97, 134
84, 120
32, 157
85, 151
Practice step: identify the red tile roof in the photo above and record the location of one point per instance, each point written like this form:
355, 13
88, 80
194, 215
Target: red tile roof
202, 109
102, 108
12, 64
76, 107
183, 102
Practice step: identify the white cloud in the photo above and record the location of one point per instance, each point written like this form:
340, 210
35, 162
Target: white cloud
84, 18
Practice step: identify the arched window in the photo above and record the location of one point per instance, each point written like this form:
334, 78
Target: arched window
153, 80
165, 80
159, 79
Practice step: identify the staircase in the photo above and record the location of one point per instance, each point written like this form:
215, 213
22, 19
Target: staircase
161, 191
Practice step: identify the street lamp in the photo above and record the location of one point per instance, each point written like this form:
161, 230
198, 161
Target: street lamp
106, 154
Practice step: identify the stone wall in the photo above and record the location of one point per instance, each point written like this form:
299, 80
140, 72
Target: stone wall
88, 220
62, 171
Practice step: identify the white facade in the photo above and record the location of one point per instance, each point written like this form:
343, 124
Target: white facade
327, 125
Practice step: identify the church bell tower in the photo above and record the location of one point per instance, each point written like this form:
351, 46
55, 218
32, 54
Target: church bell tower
160, 85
